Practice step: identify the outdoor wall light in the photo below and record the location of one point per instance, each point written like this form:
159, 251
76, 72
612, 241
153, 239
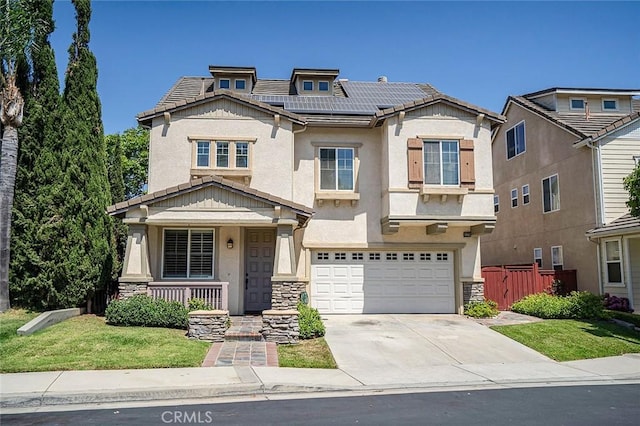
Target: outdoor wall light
230, 243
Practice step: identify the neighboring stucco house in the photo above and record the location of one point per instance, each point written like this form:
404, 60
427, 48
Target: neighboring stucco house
368, 196
559, 166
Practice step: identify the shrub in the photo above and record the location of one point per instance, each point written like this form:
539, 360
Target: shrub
142, 310
310, 322
485, 309
577, 305
199, 305
615, 303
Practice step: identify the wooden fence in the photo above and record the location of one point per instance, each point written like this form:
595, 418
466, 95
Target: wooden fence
215, 294
508, 284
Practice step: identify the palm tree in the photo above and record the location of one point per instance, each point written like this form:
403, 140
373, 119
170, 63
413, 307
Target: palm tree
16, 39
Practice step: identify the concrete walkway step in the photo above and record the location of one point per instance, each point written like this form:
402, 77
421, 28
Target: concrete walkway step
255, 354
247, 328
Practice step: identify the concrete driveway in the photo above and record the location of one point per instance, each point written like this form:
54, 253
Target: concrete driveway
379, 349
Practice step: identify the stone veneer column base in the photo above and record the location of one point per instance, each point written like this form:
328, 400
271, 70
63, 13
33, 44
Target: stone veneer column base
126, 290
281, 326
208, 325
472, 292
286, 294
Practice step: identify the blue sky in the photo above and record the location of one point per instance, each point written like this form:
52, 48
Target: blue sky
480, 52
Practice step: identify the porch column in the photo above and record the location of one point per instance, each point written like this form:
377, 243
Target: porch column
136, 273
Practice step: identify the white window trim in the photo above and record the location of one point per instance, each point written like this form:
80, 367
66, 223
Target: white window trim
496, 202
312, 85
553, 265
213, 150
213, 254
195, 162
224, 79
514, 198
424, 169
542, 189
353, 169
584, 104
328, 86
636, 160
538, 257
337, 196
528, 194
235, 83
506, 142
617, 108
606, 263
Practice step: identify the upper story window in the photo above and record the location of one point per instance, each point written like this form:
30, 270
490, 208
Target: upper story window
222, 154
336, 169
307, 85
202, 154
516, 144
187, 253
441, 162
577, 104
550, 194
496, 203
224, 83
240, 84
323, 86
525, 194
226, 157
609, 104
514, 197
242, 155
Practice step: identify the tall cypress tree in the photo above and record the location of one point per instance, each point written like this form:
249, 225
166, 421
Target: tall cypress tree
83, 248
38, 135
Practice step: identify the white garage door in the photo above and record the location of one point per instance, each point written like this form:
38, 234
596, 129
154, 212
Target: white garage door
382, 282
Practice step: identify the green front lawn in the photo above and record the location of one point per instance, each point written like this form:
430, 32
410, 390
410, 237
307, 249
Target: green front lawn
87, 343
312, 353
568, 340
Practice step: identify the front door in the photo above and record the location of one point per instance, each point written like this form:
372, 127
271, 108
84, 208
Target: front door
259, 256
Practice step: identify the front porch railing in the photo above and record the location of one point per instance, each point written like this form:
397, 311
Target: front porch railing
215, 294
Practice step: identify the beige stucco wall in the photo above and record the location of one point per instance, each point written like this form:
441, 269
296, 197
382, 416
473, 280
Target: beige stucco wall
519, 230
170, 151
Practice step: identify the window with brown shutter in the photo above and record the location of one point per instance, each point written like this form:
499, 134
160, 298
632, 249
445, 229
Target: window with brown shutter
467, 166
414, 165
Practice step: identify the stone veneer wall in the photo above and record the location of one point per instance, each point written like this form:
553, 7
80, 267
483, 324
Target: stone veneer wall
126, 290
285, 294
208, 325
281, 326
472, 292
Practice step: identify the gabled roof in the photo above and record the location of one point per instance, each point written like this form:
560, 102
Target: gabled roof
196, 184
146, 116
616, 125
581, 90
626, 224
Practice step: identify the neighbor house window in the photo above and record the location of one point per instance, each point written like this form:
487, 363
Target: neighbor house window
537, 256
323, 86
242, 155
576, 104
496, 204
614, 262
636, 160
441, 163
557, 261
222, 154
202, 154
224, 83
514, 197
307, 86
609, 104
187, 253
550, 194
525, 194
336, 169
516, 144
240, 84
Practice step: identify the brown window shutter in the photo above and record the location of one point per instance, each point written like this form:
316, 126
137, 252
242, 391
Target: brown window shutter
467, 164
414, 156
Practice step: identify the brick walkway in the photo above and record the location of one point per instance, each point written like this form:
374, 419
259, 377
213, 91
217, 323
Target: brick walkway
256, 354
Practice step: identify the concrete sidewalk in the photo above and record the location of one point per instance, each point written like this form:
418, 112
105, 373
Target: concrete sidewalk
90, 387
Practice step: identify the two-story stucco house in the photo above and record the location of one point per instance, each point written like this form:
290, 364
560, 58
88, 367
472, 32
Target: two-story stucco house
559, 166
365, 197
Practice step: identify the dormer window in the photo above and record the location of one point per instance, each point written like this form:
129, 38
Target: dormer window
323, 86
224, 83
307, 86
609, 104
241, 84
577, 104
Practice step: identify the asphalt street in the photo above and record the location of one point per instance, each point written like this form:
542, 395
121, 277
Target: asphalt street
568, 405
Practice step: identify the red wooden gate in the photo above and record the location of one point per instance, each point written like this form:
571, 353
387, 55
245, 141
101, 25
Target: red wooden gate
508, 284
